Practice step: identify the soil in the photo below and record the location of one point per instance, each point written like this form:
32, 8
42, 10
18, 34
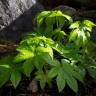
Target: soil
88, 89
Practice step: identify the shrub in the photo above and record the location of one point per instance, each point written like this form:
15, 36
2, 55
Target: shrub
52, 53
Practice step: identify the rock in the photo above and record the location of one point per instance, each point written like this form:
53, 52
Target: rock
16, 18
33, 86
11, 9
84, 3
93, 35
66, 10
50, 4
87, 13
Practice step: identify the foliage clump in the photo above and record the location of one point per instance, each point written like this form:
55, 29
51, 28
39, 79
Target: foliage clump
52, 53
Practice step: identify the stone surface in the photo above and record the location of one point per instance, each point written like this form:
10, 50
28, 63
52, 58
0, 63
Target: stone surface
33, 86
11, 9
50, 4
17, 17
73, 3
66, 10
83, 3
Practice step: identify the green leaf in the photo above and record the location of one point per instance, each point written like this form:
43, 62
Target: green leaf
7, 61
28, 67
15, 78
42, 78
72, 83
4, 75
92, 71
40, 50
72, 36
38, 61
59, 13
50, 21
47, 58
71, 75
88, 23
75, 25
53, 72
40, 17
6, 64
78, 76
26, 54
60, 81
68, 18
60, 20
86, 28
55, 63
60, 48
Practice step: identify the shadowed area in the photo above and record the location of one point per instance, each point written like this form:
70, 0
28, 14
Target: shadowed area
24, 23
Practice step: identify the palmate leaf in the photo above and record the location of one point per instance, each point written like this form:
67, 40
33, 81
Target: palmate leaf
65, 73
80, 32
70, 77
71, 69
51, 19
70, 80
79, 37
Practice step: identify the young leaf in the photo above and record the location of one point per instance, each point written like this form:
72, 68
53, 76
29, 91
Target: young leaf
40, 50
75, 25
72, 36
26, 54
88, 23
41, 17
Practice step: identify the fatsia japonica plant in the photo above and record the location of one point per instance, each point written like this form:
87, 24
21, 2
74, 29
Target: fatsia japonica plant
52, 53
